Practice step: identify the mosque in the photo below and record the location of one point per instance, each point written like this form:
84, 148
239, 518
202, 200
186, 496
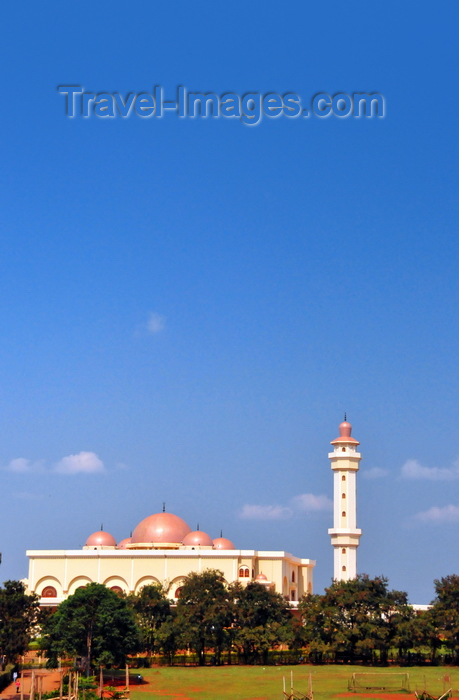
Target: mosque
163, 549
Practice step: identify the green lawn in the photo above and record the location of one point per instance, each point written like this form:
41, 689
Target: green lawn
258, 683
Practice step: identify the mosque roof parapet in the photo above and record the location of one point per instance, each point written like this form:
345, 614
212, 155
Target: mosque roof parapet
173, 553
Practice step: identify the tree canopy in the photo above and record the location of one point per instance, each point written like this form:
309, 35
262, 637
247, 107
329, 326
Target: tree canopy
261, 620
94, 623
153, 610
445, 612
204, 612
18, 616
354, 618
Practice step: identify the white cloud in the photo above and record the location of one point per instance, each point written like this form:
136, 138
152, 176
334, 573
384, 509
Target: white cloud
374, 473
156, 323
439, 516
412, 469
252, 512
305, 502
82, 463
24, 466
308, 501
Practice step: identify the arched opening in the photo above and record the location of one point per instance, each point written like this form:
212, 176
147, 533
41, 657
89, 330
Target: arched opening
344, 568
244, 572
116, 589
178, 592
343, 478
343, 449
292, 595
293, 577
343, 551
343, 514
343, 496
145, 581
49, 592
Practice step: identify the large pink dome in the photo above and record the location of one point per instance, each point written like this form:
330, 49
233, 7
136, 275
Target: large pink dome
100, 539
161, 527
123, 543
223, 543
197, 538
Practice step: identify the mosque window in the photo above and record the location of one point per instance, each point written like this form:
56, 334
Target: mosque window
343, 551
344, 568
343, 496
292, 595
343, 449
244, 572
49, 592
293, 577
343, 478
178, 592
343, 514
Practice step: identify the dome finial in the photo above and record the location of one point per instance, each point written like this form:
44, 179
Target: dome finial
345, 416
164, 506
221, 533
101, 527
197, 527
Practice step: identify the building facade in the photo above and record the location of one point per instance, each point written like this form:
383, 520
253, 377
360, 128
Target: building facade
163, 550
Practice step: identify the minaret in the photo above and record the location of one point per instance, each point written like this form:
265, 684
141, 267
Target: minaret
345, 535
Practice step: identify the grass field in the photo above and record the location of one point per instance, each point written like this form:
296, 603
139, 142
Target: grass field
258, 683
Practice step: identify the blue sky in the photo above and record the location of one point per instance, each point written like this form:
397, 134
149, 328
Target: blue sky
188, 306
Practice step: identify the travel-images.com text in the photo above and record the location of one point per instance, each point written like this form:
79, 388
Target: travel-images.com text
249, 108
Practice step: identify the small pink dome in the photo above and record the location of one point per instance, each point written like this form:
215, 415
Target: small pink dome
101, 539
123, 543
223, 543
197, 538
345, 430
161, 527
261, 577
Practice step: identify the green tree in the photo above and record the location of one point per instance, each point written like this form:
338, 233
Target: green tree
204, 612
18, 616
167, 638
317, 617
428, 632
93, 623
262, 621
444, 614
152, 609
355, 617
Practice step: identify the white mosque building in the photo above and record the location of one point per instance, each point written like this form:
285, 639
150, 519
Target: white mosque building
163, 549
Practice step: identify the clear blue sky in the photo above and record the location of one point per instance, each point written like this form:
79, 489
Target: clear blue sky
195, 303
